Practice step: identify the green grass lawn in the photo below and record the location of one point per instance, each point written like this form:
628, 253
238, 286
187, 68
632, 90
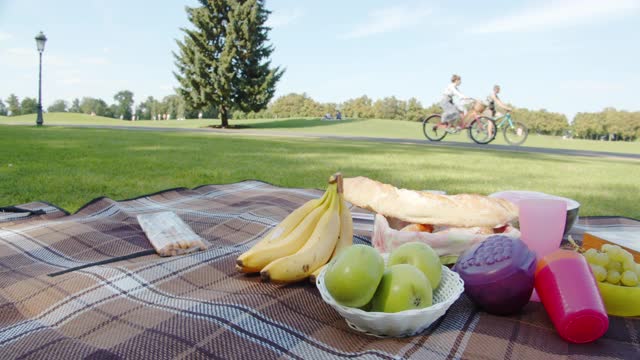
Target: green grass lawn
70, 166
368, 128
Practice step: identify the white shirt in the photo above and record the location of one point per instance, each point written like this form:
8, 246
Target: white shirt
452, 90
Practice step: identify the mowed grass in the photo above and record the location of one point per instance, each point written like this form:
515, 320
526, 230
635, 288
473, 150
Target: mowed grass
366, 128
70, 166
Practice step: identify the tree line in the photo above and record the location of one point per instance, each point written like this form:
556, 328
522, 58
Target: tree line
224, 71
608, 124
123, 107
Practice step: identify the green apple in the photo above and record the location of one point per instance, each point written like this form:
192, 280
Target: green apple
403, 287
421, 256
352, 277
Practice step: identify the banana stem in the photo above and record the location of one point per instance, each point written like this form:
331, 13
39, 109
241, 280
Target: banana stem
337, 178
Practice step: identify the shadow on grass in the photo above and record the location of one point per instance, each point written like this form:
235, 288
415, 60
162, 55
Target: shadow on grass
81, 164
298, 123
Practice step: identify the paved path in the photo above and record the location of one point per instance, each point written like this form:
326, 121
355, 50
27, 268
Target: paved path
470, 144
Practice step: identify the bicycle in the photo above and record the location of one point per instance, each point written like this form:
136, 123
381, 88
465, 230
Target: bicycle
514, 132
479, 128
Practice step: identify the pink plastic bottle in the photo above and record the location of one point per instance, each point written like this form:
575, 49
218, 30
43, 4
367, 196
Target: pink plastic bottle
569, 293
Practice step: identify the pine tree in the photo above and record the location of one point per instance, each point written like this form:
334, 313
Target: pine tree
224, 61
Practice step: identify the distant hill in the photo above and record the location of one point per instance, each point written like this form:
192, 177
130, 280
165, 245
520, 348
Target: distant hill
62, 118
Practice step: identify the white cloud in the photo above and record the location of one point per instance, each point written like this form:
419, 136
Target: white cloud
553, 14
5, 36
389, 19
281, 18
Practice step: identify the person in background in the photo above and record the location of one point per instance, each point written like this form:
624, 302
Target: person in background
452, 98
493, 100
338, 115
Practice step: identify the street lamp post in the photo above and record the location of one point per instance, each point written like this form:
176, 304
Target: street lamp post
40, 41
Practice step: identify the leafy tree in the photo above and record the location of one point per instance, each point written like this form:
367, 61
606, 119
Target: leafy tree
99, 107
58, 106
542, 121
296, 105
609, 124
181, 110
75, 106
414, 111
28, 106
224, 61
175, 106
3, 109
13, 104
124, 103
389, 108
361, 107
145, 108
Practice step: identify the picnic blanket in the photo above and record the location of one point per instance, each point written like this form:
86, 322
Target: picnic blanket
61, 299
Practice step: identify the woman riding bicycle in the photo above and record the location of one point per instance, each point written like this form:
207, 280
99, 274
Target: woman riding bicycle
454, 117
451, 102
493, 100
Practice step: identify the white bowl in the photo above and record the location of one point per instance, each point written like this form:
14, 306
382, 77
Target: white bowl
515, 196
404, 323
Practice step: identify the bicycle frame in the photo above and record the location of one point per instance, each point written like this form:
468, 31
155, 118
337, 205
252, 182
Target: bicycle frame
461, 122
502, 119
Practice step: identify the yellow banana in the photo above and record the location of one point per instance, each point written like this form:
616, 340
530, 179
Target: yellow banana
315, 252
346, 227
314, 275
345, 239
289, 223
254, 261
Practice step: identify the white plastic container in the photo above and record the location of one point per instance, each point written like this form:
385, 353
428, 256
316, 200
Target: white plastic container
404, 323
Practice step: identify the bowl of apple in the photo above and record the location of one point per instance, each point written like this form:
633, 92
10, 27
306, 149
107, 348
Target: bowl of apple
389, 295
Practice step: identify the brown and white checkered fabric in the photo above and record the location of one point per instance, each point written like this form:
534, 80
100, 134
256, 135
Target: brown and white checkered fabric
198, 306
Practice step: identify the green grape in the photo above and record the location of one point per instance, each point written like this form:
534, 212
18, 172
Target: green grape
601, 259
589, 255
629, 278
613, 277
599, 272
629, 265
627, 255
614, 265
621, 255
638, 270
609, 248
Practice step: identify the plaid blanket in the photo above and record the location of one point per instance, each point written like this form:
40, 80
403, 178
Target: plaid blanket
198, 306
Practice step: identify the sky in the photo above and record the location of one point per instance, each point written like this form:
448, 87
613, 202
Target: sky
564, 56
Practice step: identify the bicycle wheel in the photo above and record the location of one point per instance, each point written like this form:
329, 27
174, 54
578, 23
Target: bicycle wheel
482, 130
515, 134
433, 129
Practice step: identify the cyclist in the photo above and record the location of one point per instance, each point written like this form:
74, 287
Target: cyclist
493, 100
451, 100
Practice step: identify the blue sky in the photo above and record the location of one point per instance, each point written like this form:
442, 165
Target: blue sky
565, 56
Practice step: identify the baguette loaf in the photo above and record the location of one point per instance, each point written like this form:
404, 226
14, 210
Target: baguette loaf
462, 210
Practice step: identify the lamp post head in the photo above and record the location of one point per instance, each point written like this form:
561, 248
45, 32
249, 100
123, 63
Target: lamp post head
40, 40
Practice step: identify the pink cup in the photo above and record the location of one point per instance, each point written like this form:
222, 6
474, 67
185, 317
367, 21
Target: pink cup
542, 226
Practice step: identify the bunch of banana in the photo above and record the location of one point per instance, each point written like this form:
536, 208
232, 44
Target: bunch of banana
304, 241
